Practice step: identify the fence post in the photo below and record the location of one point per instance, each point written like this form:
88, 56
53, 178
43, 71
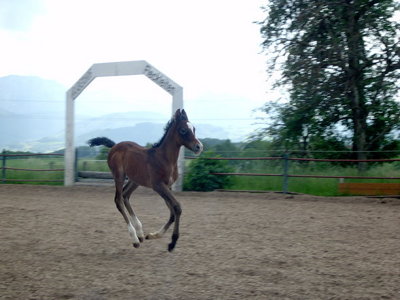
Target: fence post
285, 173
3, 170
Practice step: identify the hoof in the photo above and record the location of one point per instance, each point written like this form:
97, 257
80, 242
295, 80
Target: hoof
141, 239
171, 247
152, 236
136, 245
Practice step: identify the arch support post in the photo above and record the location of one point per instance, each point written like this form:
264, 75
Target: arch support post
69, 154
177, 103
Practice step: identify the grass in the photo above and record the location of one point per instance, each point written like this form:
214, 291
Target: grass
45, 163
315, 186
93, 165
35, 163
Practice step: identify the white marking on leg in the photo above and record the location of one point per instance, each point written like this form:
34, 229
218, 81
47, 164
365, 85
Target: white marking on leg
138, 226
133, 234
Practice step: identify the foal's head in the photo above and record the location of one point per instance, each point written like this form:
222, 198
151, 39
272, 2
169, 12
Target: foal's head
186, 133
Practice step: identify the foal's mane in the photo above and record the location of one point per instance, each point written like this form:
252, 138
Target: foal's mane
166, 128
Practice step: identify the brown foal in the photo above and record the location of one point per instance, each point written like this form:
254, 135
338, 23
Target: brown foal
154, 167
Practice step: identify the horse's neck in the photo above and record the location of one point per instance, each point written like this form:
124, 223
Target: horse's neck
170, 150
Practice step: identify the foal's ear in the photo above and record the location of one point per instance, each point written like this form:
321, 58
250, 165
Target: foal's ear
184, 115
177, 114
180, 115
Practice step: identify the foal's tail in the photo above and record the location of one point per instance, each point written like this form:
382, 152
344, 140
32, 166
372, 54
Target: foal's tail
101, 141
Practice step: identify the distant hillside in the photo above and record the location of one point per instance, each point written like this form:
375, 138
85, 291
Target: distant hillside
117, 120
32, 96
143, 133
32, 118
31, 108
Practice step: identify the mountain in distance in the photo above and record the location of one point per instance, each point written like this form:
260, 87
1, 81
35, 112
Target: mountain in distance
140, 127
31, 95
31, 108
144, 133
117, 120
32, 118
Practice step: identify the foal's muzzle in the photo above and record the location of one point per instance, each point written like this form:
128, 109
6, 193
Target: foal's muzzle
198, 148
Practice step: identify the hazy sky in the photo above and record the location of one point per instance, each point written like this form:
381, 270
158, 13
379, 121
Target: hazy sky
211, 48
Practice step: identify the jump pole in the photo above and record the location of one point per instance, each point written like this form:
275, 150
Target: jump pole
139, 67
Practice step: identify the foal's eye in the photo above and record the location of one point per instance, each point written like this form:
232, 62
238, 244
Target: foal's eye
183, 131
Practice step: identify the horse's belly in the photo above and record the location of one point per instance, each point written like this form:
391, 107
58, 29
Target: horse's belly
140, 178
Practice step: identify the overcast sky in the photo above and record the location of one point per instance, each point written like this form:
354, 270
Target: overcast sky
211, 48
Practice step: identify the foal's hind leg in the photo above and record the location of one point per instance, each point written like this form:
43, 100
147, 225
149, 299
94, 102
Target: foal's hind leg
119, 182
127, 191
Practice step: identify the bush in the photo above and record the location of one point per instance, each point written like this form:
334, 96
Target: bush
198, 177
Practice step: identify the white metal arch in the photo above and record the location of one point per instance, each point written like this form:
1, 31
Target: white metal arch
139, 67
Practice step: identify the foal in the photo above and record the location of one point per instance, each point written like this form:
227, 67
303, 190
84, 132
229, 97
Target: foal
154, 167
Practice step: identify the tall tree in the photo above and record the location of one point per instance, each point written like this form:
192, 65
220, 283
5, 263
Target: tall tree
340, 60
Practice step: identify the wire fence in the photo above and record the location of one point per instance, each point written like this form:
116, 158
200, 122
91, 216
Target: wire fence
286, 168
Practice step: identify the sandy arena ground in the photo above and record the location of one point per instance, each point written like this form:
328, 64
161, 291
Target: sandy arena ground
72, 243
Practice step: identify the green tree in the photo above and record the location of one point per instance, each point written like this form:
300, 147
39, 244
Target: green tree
257, 148
340, 61
103, 153
226, 149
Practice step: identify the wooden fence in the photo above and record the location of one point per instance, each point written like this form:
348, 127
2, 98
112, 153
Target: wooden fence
4, 157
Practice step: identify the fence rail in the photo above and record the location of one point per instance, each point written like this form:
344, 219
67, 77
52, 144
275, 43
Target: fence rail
306, 176
34, 170
298, 159
285, 168
4, 167
31, 154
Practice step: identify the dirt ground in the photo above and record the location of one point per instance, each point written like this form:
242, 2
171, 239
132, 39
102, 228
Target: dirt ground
72, 243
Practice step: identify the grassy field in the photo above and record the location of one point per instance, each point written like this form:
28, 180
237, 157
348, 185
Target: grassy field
34, 163
314, 186
93, 165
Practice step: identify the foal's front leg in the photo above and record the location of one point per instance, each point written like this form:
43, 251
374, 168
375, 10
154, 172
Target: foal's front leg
176, 211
